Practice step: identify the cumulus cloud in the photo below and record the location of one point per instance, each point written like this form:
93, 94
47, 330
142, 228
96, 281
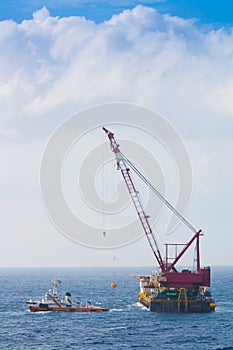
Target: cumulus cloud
51, 67
138, 55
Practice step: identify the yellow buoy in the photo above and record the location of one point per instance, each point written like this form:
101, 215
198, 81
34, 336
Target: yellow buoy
213, 305
113, 285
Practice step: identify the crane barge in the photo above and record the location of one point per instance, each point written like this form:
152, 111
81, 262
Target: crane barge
167, 290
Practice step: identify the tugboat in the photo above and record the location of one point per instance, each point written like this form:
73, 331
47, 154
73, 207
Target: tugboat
52, 302
168, 290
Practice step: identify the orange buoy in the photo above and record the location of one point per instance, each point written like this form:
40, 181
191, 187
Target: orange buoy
113, 285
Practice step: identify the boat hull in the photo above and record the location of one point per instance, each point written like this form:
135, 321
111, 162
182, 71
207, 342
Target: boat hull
43, 308
165, 305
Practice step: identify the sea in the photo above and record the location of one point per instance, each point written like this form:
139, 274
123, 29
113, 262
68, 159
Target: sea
127, 325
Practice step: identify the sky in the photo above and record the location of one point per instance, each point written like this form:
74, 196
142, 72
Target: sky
59, 58
211, 12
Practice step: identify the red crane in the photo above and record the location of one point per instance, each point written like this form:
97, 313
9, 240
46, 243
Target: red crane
169, 276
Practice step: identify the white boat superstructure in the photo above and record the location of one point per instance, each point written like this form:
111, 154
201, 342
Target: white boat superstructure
53, 302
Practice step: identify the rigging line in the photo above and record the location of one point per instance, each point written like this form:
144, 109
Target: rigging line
103, 187
161, 197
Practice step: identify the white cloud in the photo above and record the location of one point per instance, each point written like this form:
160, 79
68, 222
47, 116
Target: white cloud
65, 59
51, 67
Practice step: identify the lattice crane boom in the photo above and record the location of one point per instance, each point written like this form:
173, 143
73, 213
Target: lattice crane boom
144, 219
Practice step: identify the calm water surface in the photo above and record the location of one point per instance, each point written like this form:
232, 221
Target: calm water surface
126, 326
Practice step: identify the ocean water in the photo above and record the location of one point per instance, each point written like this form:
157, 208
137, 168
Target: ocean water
126, 326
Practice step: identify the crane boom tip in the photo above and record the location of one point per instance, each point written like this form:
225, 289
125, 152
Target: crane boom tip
109, 133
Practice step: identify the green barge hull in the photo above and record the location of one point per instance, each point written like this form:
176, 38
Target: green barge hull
178, 300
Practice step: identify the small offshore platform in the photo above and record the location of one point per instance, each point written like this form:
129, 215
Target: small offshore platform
167, 290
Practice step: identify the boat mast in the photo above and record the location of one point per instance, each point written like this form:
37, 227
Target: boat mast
55, 281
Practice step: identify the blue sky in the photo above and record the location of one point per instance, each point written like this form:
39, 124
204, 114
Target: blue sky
53, 66
212, 12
